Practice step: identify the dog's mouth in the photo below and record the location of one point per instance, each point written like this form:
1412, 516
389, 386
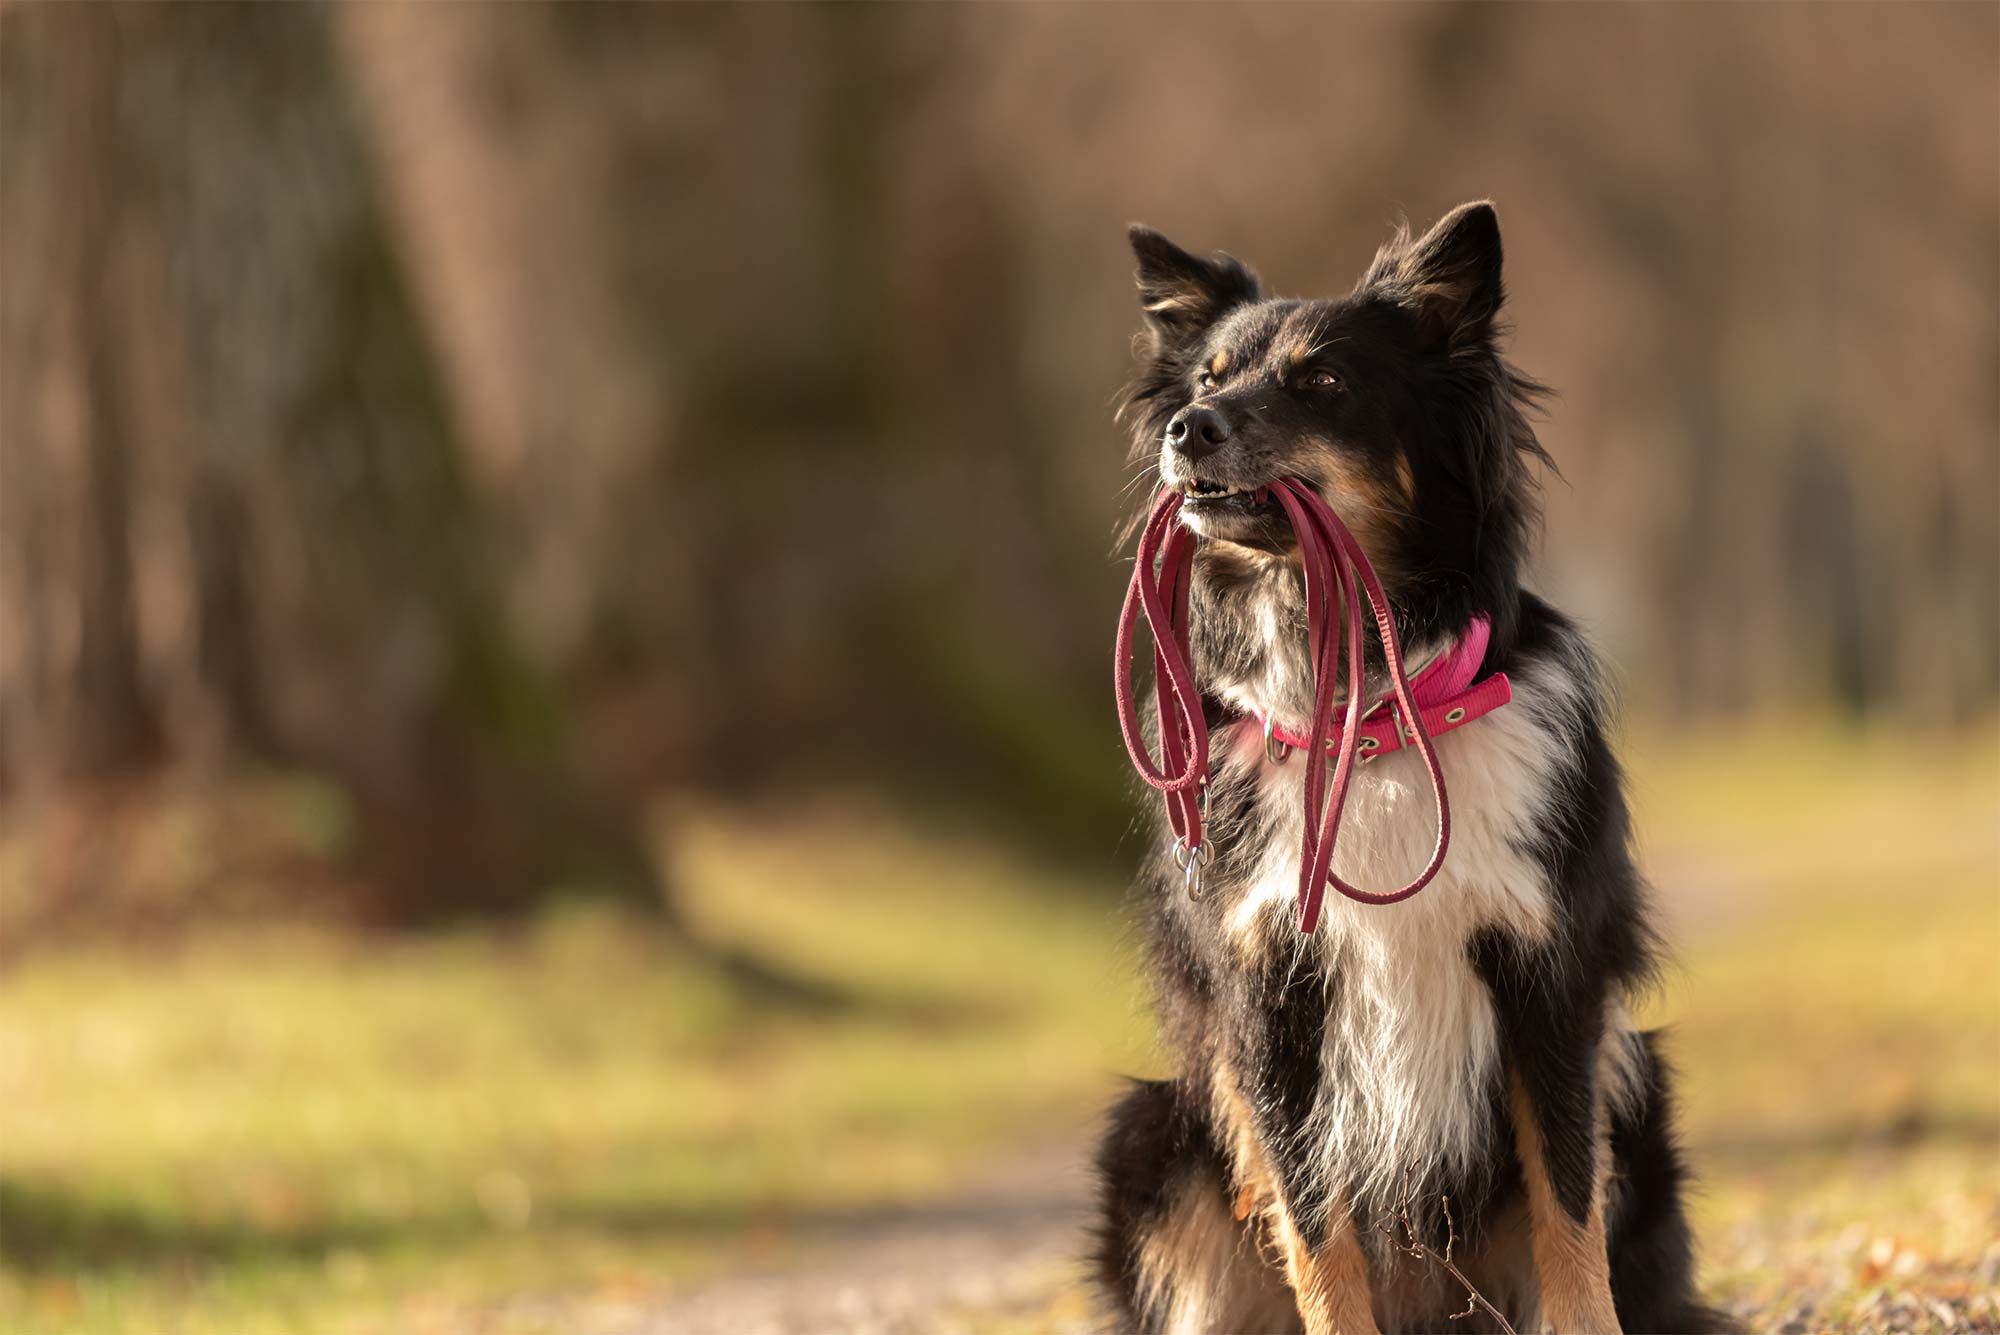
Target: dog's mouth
1233, 512
1202, 495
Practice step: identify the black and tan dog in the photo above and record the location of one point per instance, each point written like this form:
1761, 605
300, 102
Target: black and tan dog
1471, 1044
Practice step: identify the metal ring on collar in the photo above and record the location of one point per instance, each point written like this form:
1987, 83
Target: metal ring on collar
1275, 751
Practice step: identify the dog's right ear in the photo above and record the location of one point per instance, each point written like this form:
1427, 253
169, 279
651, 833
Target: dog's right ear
1183, 294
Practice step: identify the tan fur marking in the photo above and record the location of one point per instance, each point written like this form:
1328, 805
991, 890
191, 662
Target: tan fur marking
1365, 503
1406, 480
1331, 1284
1570, 1258
1253, 1173
1219, 363
1201, 1275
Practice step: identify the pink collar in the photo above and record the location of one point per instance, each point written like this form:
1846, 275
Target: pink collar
1445, 693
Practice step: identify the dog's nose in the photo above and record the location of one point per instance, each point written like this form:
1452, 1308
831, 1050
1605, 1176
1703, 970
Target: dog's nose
1197, 430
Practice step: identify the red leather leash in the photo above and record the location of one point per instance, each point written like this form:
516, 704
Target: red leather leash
1337, 575
1183, 768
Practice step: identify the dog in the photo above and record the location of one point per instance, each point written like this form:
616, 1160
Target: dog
1455, 1075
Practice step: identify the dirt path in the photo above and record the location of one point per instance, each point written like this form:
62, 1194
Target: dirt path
1000, 1255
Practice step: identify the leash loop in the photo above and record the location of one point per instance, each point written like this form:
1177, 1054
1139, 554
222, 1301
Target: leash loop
1162, 595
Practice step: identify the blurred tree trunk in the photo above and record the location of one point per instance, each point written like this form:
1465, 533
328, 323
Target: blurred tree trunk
227, 663
357, 590
84, 702
329, 590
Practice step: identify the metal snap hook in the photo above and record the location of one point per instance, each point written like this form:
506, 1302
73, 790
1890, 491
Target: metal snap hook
1193, 861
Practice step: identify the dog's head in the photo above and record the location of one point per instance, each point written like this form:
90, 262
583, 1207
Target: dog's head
1392, 401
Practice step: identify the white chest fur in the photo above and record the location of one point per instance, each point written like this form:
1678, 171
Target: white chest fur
1410, 1050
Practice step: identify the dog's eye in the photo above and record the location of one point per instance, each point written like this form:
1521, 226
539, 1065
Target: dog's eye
1322, 380
1207, 380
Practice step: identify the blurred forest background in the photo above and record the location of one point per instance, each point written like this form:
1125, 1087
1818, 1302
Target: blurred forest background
440, 438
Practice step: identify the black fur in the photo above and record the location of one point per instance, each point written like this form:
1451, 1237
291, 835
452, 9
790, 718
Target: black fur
1158, 1139
1652, 1252
1155, 1123
1396, 402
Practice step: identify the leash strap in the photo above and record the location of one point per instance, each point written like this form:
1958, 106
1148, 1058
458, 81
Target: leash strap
1163, 595
1337, 575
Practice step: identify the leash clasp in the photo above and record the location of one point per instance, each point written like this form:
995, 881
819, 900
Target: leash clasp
1191, 861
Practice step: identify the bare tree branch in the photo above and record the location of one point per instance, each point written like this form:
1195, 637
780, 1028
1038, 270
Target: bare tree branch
1411, 1244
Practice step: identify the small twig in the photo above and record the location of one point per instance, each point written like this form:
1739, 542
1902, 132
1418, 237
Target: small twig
1413, 1245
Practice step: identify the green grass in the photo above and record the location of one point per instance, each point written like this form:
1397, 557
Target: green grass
270, 1130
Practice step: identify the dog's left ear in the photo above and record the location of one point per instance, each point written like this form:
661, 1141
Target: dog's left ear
1451, 277
1183, 294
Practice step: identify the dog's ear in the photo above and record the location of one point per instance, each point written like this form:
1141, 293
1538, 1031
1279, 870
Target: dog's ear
1183, 294
1450, 277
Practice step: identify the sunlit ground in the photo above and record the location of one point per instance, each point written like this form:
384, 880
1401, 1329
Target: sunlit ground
290, 1131
1838, 1018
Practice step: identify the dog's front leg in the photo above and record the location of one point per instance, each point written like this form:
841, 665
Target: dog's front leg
1329, 1280
1567, 1224
1326, 1270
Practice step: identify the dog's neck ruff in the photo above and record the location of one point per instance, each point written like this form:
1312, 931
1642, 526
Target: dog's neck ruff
1337, 576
